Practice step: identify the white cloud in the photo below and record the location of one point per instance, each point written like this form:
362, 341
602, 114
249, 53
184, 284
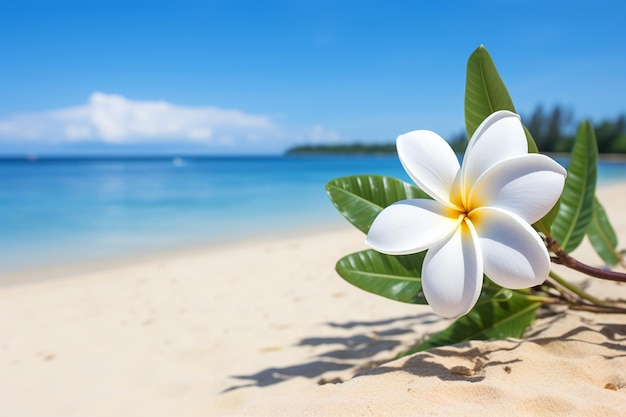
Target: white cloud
113, 118
319, 134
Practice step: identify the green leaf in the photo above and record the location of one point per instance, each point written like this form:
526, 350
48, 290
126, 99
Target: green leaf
485, 93
532, 145
602, 235
360, 198
576, 209
394, 277
544, 225
491, 318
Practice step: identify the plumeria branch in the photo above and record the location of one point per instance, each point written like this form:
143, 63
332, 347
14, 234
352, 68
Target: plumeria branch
557, 291
561, 284
598, 309
563, 258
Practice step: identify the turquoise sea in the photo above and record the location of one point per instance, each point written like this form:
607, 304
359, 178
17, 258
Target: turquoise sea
56, 211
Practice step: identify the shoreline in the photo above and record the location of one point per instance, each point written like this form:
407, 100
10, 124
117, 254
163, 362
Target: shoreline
67, 268
259, 324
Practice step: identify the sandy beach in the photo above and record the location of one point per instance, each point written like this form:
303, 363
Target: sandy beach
255, 327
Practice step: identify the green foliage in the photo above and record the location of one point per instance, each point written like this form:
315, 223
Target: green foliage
602, 235
491, 318
532, 146
485, 92
394, 277
544, 225
576, 209
499, 313
360, 198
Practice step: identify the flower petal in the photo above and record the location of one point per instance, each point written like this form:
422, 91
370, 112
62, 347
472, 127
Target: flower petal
430, 162
514, 254
500, 136
411, 226
452, 273
527, 185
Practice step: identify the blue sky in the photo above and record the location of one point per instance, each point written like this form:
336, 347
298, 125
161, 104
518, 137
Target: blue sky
176, 77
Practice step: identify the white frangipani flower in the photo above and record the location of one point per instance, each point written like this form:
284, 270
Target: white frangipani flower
479, 220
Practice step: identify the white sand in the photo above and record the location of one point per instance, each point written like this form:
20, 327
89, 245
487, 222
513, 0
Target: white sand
252, 327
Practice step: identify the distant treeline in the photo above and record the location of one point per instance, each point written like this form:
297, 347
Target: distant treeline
343, 149
553, 130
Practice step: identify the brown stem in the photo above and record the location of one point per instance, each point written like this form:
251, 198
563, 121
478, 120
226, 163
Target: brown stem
580, 305
598, 309
563, 258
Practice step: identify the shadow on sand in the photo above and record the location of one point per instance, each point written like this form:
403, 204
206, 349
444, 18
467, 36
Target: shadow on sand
424, 364
355, 351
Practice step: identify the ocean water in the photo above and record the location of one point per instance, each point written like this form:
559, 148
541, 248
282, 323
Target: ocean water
56, 211
59, 211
